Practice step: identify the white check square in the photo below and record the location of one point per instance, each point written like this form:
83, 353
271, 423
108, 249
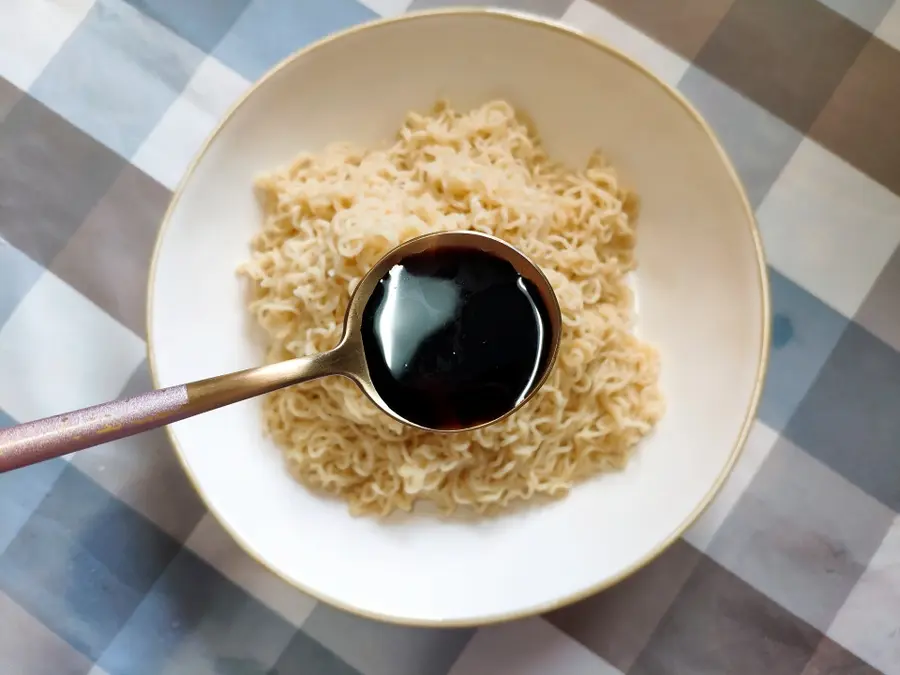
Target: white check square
31, 32
889, 28
387, 7
172, 144
828, 227
59, 352
868, 624
609, 28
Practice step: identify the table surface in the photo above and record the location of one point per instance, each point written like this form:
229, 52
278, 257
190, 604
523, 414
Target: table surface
109, 563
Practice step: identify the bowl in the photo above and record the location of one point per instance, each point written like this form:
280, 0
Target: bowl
702, 300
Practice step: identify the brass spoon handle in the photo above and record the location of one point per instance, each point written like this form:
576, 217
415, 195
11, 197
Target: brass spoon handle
51, 437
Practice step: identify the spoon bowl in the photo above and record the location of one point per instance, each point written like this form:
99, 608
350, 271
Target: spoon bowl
477, 242
50, 437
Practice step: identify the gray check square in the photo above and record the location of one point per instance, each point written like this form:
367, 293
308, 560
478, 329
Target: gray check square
83, 561
108, 258
758, 143
270, 30
804, 333
23, 490
880, 311
193, 620
849, 418
832, 659
51, 175
376, 648
861, 120
618, 622
305, 655
801, 534
201, 22
786, 56
682, 26
28, 646
721, 625
9, 96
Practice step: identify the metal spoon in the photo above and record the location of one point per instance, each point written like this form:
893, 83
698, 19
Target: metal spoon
62, 434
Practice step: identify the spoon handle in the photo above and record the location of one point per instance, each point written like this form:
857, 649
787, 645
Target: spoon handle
59, 435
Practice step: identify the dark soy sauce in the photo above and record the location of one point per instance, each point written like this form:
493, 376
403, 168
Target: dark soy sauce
454, 337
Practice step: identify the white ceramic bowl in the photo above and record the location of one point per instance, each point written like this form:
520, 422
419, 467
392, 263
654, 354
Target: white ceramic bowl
702, 292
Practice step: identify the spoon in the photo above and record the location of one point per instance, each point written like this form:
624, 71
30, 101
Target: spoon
448, 332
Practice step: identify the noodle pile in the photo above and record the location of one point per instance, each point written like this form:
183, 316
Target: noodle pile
330, 216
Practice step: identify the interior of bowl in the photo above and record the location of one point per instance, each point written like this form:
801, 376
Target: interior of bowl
701, 295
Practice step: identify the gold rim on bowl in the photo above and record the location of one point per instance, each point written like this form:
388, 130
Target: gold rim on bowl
762, 363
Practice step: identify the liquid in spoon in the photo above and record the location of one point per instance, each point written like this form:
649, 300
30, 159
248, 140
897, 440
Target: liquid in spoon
455, 337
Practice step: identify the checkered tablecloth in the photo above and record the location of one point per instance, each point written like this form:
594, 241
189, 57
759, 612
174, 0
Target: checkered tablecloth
109, 563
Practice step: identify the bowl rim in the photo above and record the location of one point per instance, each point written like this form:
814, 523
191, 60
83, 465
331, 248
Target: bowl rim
765, 318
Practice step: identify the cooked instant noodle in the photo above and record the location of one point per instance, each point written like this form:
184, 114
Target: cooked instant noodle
329, 217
